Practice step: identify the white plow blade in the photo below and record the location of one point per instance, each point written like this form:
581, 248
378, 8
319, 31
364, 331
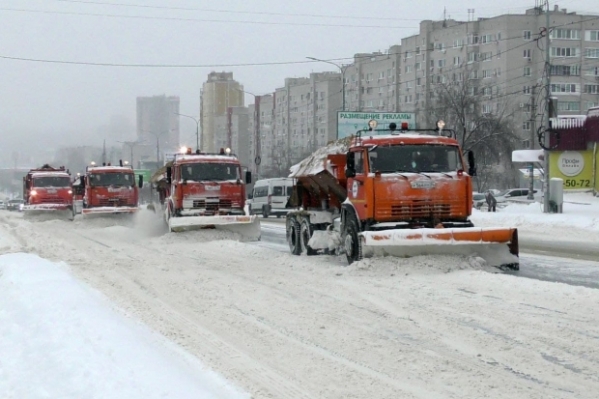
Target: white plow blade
108, 210
43, 212
490, 244
246, 226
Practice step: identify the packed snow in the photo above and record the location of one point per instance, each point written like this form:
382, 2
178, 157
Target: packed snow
315, 163
61, 339
283, 326
579, 221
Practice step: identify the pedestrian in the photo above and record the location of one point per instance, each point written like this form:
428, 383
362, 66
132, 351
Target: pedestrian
491, 201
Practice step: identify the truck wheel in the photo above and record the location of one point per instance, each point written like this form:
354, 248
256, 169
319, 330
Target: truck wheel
265, 212
351, 241
294, 237
306, 231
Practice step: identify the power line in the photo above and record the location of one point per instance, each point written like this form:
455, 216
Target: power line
144, 17
269, 13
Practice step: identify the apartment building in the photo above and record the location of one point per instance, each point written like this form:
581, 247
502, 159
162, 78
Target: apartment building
232, 130
261, 117
219, 93
372, 81
503, 62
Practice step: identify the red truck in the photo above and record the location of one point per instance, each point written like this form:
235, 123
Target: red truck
207, 191
48, 191
110, 189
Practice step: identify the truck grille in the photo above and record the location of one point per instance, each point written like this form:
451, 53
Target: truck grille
52, 201
209, 204
419, 209
113, 202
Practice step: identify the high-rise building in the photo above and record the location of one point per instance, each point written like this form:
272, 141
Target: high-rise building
219, 93
158, 123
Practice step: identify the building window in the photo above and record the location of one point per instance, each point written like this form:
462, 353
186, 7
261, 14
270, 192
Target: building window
592, 35
526, 125
487, 108
591, 89
565, 34
559, 52
527, 35
568, 106
441, 63
456, 60
565, 70
563, 88
591, 53
526, 71
526, 90
592, 71
527, 54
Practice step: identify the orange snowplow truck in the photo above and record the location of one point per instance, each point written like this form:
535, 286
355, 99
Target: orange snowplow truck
392, 192
110, 189
47, 190
207, 191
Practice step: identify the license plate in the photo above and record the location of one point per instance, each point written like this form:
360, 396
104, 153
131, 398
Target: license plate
423, 184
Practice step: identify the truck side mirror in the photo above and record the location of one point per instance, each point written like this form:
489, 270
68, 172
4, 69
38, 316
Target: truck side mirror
471, 164
169, 174
248, 177
141, 181
82, 181
350, 163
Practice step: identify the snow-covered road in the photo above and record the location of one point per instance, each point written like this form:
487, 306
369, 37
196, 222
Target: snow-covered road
280, 326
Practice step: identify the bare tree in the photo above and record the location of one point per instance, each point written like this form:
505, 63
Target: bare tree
482, 116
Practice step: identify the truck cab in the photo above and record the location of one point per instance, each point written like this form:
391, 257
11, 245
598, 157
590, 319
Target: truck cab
206, 185
47, 189
110, 189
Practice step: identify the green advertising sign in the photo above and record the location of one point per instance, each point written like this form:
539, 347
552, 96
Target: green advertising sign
146, 173
348, 123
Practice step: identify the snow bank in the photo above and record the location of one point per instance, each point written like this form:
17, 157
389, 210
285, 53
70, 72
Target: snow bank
315, 163
60, 339
578, 222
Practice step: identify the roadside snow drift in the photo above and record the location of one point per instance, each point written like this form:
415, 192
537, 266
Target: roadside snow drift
61, 340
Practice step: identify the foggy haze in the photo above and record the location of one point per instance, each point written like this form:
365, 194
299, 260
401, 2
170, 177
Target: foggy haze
47, 105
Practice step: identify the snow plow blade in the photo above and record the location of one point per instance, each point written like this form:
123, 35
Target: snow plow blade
498, 246
48, 211
108, 210
247, 226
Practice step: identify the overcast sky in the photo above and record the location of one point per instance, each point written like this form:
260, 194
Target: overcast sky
44, 105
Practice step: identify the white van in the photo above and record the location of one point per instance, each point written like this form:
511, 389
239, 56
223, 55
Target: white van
270, 197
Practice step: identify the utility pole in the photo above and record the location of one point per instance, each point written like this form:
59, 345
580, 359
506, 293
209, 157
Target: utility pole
533, 130
548, 108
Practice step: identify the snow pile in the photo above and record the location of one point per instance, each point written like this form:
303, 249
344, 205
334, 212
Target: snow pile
60, 339
200, 236
578, 222
315, 163
426, 264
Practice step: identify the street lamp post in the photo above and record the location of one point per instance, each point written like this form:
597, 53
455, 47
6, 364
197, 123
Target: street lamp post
257, 159
197, 121
130, 144
342, 69
157, 135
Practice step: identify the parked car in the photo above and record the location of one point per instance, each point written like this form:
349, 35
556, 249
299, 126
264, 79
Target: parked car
478, 200
2, 205
15, 205
270, 197
520, 193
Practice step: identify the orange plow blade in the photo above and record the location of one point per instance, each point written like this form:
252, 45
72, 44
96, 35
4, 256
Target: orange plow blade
498, 246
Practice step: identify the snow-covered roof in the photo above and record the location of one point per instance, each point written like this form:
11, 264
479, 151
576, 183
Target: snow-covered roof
50, 174
109, 169
202, 157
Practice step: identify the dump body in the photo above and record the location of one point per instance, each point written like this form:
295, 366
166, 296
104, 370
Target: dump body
388, 191
47, 190
206, 191
110, 190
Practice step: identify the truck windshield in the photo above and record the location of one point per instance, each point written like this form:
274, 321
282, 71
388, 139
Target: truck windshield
210, 171
52, 181
415, 158
111, 179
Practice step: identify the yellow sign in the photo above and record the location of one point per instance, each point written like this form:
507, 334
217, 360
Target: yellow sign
574, 167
